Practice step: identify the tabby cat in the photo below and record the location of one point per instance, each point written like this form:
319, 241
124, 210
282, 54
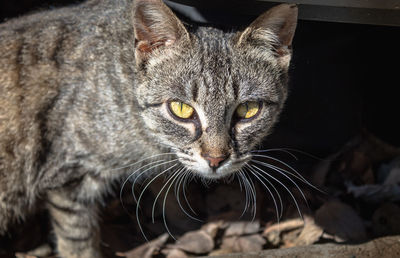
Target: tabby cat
101, 85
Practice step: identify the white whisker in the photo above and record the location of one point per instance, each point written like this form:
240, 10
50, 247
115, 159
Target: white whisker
246, 205
137, 162
275, 150
283, 174
285, 164
287, 189
258, 175
159, 193
141, 195
187, 175
253, 199
175, 176
177, 194
144, 171
127, 179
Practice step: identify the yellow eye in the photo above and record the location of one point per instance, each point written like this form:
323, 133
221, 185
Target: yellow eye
181, 109
247, 109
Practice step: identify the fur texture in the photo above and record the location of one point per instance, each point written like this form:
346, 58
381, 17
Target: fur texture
85, 89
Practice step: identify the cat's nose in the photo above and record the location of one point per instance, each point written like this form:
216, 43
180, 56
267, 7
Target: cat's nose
214, 162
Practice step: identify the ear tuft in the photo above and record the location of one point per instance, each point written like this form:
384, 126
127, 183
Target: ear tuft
155, 26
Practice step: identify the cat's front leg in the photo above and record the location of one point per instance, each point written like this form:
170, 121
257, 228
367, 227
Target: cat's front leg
75, 225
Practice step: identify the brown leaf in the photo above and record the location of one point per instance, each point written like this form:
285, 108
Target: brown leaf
242, 228
24, 255
341, 220
41, 251
273, 233
212, 228
386, 220
148, 249
284, 226
310, 234
251, 243
394, 174
174, 253
375, 193
198, 242
220, 252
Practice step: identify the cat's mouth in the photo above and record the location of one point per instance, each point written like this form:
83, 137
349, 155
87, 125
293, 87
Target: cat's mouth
201, 167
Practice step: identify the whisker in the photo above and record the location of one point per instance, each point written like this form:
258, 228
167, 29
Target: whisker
175, 176
282, 172
304, 153
240, 183
285, 164
279, 212
151, 157
302, 179
287, 189
159, 193
240, 173
253, 195
275, 150
288, 151
123, 185
144, 171
179, 182
187, 175
141, 195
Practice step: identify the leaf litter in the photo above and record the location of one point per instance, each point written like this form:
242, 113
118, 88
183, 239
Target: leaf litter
359, 206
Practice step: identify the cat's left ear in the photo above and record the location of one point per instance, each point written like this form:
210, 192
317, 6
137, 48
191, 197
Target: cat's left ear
156, 27
275, 29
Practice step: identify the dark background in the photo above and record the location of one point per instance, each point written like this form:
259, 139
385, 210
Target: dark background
344, 77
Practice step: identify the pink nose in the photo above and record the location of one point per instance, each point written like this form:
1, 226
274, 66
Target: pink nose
214, 162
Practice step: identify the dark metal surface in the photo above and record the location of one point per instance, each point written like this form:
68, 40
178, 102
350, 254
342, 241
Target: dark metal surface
376, 12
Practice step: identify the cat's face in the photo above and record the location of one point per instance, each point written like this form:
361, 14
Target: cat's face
210, 96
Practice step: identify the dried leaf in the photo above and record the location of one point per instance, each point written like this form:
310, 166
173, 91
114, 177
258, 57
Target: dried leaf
385, 220
251, 243
341, 220
220, 252
242, 228
148, 249
212, 228
273, 232
198, 242
24, 255
310, 234
284, 226
394, 175
174, 253
375, 193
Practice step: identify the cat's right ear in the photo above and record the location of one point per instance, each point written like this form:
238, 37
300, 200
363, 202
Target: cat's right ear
273, 29
156, 28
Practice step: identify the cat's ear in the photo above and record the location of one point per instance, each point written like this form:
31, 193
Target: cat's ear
155, 26
273, 28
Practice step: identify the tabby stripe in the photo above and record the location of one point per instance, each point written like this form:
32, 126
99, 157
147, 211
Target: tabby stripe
195, 91
58, 46
59, 225
149, 105
77, 239
64, 209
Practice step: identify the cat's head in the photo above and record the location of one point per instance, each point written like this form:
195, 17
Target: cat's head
208, 95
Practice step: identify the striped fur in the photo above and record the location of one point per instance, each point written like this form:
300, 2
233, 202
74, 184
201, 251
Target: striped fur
82, 94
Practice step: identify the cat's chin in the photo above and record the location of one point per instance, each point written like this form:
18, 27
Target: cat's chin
201, 168
221, 172
214, 175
